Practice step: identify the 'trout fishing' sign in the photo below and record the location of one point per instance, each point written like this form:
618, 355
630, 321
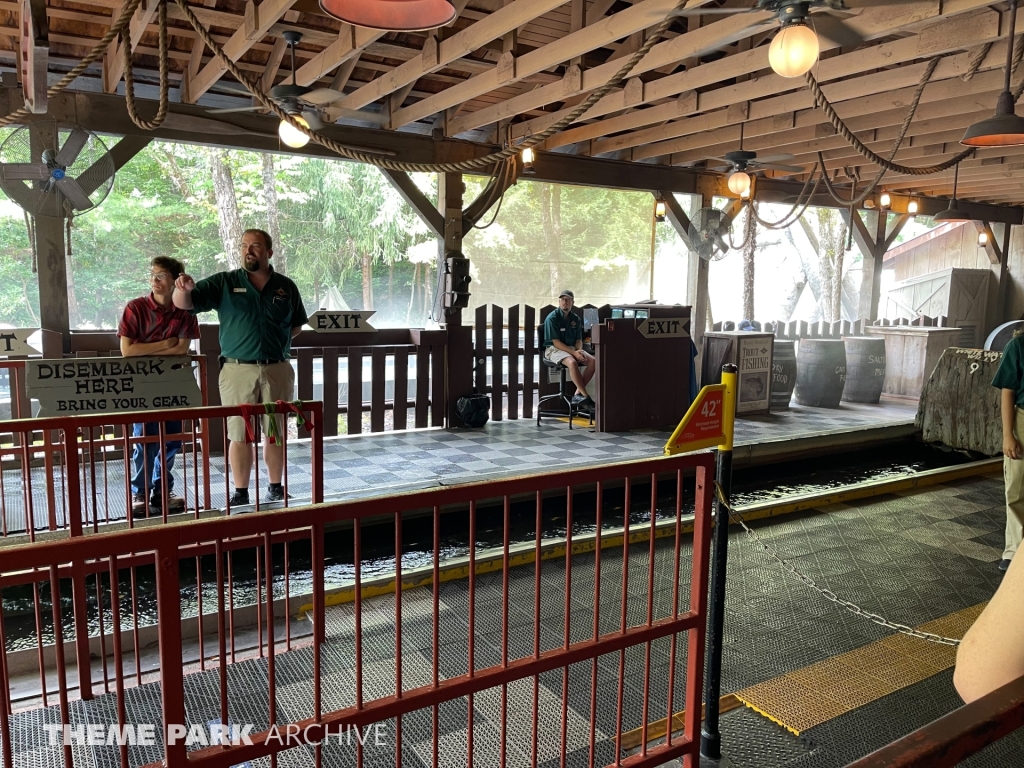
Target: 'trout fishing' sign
112, 384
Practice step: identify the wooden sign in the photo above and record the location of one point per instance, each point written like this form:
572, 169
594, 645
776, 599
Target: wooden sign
663, 328
755, 364
112, 384
35, 53
14, 341
338, 321
703, 426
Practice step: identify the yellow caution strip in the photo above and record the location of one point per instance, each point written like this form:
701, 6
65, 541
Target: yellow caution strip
816, 694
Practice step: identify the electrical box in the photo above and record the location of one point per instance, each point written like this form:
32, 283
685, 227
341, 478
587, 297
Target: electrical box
456, 282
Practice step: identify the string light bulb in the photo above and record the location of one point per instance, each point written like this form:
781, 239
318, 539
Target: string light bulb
528, 157
292, 136
659, 210
982, 239
794, 50
884, 200
739, 183
912, 207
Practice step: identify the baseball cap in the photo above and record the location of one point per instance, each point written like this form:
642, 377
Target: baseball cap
570, 294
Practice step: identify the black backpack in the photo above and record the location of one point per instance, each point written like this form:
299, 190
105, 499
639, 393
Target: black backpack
474, 410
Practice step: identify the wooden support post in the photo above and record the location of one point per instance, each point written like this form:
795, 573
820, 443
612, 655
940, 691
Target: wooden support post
873, 249
51, 250
459, 365
419, 202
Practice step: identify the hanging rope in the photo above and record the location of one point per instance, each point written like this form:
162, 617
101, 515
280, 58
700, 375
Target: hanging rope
129, 78
465, 165
122, 22
748, 232
801, 202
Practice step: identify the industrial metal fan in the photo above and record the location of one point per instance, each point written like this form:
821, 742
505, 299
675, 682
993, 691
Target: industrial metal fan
707, 232
55, 169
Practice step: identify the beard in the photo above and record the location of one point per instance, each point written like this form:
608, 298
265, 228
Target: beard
252, 265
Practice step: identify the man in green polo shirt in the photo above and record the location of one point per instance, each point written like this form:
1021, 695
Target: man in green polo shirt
260, 311
1010, 379
563, 343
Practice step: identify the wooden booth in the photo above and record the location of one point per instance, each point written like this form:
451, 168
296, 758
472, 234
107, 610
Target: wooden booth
643, 356
911, 352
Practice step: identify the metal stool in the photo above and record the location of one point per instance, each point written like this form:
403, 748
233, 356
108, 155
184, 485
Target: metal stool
560, 395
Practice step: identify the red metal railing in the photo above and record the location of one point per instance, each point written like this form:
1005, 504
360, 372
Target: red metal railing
952, 738
445, 667
37, 458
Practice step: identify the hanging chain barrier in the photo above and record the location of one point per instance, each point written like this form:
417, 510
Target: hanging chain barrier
464, 165
828, 594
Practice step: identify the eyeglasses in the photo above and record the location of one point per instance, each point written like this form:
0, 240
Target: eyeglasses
158, 276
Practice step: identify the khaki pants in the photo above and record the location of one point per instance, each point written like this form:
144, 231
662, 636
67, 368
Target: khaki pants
1013, 477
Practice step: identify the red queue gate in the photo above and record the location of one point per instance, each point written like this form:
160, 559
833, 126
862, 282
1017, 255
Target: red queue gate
484, 665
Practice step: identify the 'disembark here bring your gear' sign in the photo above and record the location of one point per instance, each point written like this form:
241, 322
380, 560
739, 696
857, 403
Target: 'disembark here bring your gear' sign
111, 384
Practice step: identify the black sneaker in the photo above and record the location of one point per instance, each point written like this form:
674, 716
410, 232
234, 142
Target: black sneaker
276, 494
140, 507
1004, 565
240, 498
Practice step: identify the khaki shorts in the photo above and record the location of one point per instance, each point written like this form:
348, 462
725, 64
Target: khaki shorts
554, 354
241, 383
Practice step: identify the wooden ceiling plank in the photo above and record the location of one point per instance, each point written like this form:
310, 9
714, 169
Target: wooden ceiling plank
707, 38
833, 69
879, 84
274, 63
872, 23
436, 56
257, 23
603, 32
113, 58
351, 42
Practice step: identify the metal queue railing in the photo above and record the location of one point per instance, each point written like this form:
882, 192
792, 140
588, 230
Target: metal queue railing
497, 665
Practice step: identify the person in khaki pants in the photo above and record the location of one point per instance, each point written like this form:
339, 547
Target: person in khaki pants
1010, 380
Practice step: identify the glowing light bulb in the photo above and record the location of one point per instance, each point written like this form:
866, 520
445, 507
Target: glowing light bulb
794, 50
659, 210
291, 135
885, 200
983, 239
912, 207
528, 156
739, 183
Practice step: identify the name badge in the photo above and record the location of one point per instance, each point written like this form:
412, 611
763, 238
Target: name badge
238, 290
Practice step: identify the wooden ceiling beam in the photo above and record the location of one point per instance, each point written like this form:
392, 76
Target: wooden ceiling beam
113, 57
256, 24
350, 43
689, 44
606, 30
437, 55
871, 23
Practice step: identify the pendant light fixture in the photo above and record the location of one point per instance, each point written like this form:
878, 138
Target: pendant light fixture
288, 133
391, 15
953, 212
794, 50
1005, 128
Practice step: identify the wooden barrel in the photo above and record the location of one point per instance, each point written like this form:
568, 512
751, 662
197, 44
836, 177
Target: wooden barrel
820, 372
865, 369
783, 374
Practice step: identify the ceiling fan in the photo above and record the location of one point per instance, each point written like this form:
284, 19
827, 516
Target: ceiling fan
794, 50
740, 161
303, 103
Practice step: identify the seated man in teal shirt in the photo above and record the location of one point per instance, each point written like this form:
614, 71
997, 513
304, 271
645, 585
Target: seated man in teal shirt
563, 343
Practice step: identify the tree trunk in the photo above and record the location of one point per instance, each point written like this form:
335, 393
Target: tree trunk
551, 222
229, 224
412, 293
273, 222
748, 266
391, 285
367, 280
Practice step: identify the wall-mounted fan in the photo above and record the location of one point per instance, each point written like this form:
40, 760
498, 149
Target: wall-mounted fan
708, 230
55, 169
306, 102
